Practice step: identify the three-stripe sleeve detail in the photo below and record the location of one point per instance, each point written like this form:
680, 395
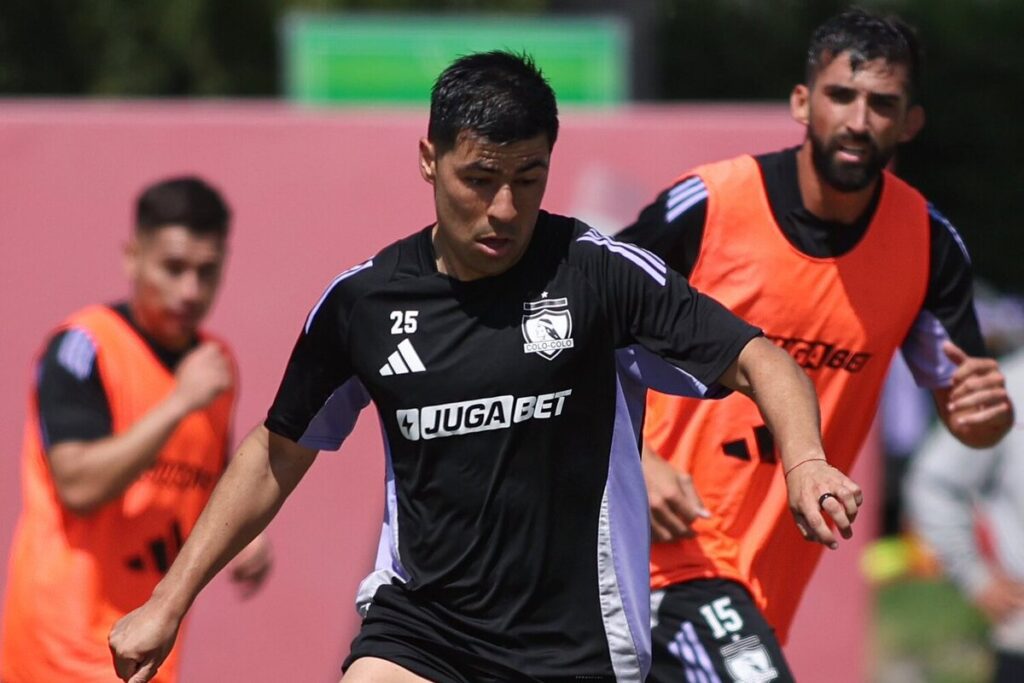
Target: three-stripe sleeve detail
684, 196
645, 260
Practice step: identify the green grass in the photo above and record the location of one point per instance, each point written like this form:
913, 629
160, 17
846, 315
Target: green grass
924, 631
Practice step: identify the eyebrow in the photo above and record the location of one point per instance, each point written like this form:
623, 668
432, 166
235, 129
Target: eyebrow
489, 168
530, 165
888, 98
833, 88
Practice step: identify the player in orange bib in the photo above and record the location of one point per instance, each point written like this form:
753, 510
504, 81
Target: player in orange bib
841, 263
127, 432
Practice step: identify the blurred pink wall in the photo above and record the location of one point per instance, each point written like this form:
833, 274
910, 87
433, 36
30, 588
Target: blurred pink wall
315, 192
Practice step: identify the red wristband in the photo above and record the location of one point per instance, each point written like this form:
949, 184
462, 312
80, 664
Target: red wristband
786, 473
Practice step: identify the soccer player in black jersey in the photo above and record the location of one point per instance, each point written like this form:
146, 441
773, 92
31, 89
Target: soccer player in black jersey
507, 351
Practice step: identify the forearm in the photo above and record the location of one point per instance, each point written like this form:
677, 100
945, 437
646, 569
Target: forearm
784, 396
789, 407
941, 491
89, 474
252, 490
942, 513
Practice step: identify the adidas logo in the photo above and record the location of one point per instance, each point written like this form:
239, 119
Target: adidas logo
403, 361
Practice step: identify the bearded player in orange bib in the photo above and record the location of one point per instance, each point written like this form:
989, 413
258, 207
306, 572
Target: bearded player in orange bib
841, 263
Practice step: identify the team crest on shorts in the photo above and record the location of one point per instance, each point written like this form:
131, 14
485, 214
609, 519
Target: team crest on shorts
547, 327
748, 660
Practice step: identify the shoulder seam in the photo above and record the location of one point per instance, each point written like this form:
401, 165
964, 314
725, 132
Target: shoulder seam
937, 216
76, 352
330, 288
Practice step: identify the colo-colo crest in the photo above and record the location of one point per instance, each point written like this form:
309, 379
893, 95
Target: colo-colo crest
547, 327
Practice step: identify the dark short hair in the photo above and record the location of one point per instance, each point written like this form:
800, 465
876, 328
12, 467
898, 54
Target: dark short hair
187, 201
501, 96
866, 37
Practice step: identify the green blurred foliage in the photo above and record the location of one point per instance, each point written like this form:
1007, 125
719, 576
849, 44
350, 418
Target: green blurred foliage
157, 48
925, 631
965, 160
137, 47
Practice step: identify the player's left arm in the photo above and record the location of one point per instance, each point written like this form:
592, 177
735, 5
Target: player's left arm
786, 399
945, 349
696, 339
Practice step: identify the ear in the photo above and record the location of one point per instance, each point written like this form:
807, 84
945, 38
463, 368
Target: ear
915, 122
130, 258
428, 160
799, 104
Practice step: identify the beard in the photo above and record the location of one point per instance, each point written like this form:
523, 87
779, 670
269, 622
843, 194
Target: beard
845, 176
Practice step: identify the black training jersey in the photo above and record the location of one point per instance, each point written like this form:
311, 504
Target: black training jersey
672, 226
516, 527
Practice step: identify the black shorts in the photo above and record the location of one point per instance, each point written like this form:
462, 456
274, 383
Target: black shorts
429, 660
710, 631
1009, 667
435, 651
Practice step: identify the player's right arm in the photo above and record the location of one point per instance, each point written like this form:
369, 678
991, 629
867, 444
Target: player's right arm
266, 468
264, 471
673, 499
88, 472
